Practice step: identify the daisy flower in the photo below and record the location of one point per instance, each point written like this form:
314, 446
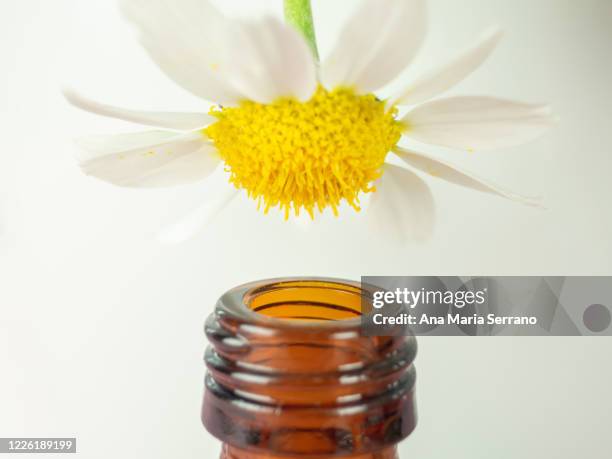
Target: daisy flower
298, 135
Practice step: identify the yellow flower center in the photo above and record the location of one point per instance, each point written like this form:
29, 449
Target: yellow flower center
308, 155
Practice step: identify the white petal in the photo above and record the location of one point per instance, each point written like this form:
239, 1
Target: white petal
377, 43
148, 159
402, 207
187, 39
452, 73
197, 221
94, 147
168, 120
477, 123
271, 60
445, 171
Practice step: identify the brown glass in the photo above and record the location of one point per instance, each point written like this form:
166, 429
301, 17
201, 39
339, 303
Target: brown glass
292, 375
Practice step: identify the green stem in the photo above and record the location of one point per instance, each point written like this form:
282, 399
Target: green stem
298, 13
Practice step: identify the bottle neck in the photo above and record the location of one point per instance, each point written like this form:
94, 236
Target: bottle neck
292, 374
230, 452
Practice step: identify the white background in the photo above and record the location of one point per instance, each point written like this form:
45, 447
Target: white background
101, 326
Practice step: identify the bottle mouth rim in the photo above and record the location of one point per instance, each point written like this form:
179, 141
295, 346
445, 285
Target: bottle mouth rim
238, 302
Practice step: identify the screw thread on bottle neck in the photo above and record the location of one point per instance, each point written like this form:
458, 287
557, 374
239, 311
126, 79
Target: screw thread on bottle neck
230, 452
292, 374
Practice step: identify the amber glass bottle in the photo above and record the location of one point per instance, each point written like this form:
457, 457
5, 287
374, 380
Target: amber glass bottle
291, 375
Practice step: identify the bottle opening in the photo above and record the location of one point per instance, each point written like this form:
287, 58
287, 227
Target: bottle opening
307, 301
